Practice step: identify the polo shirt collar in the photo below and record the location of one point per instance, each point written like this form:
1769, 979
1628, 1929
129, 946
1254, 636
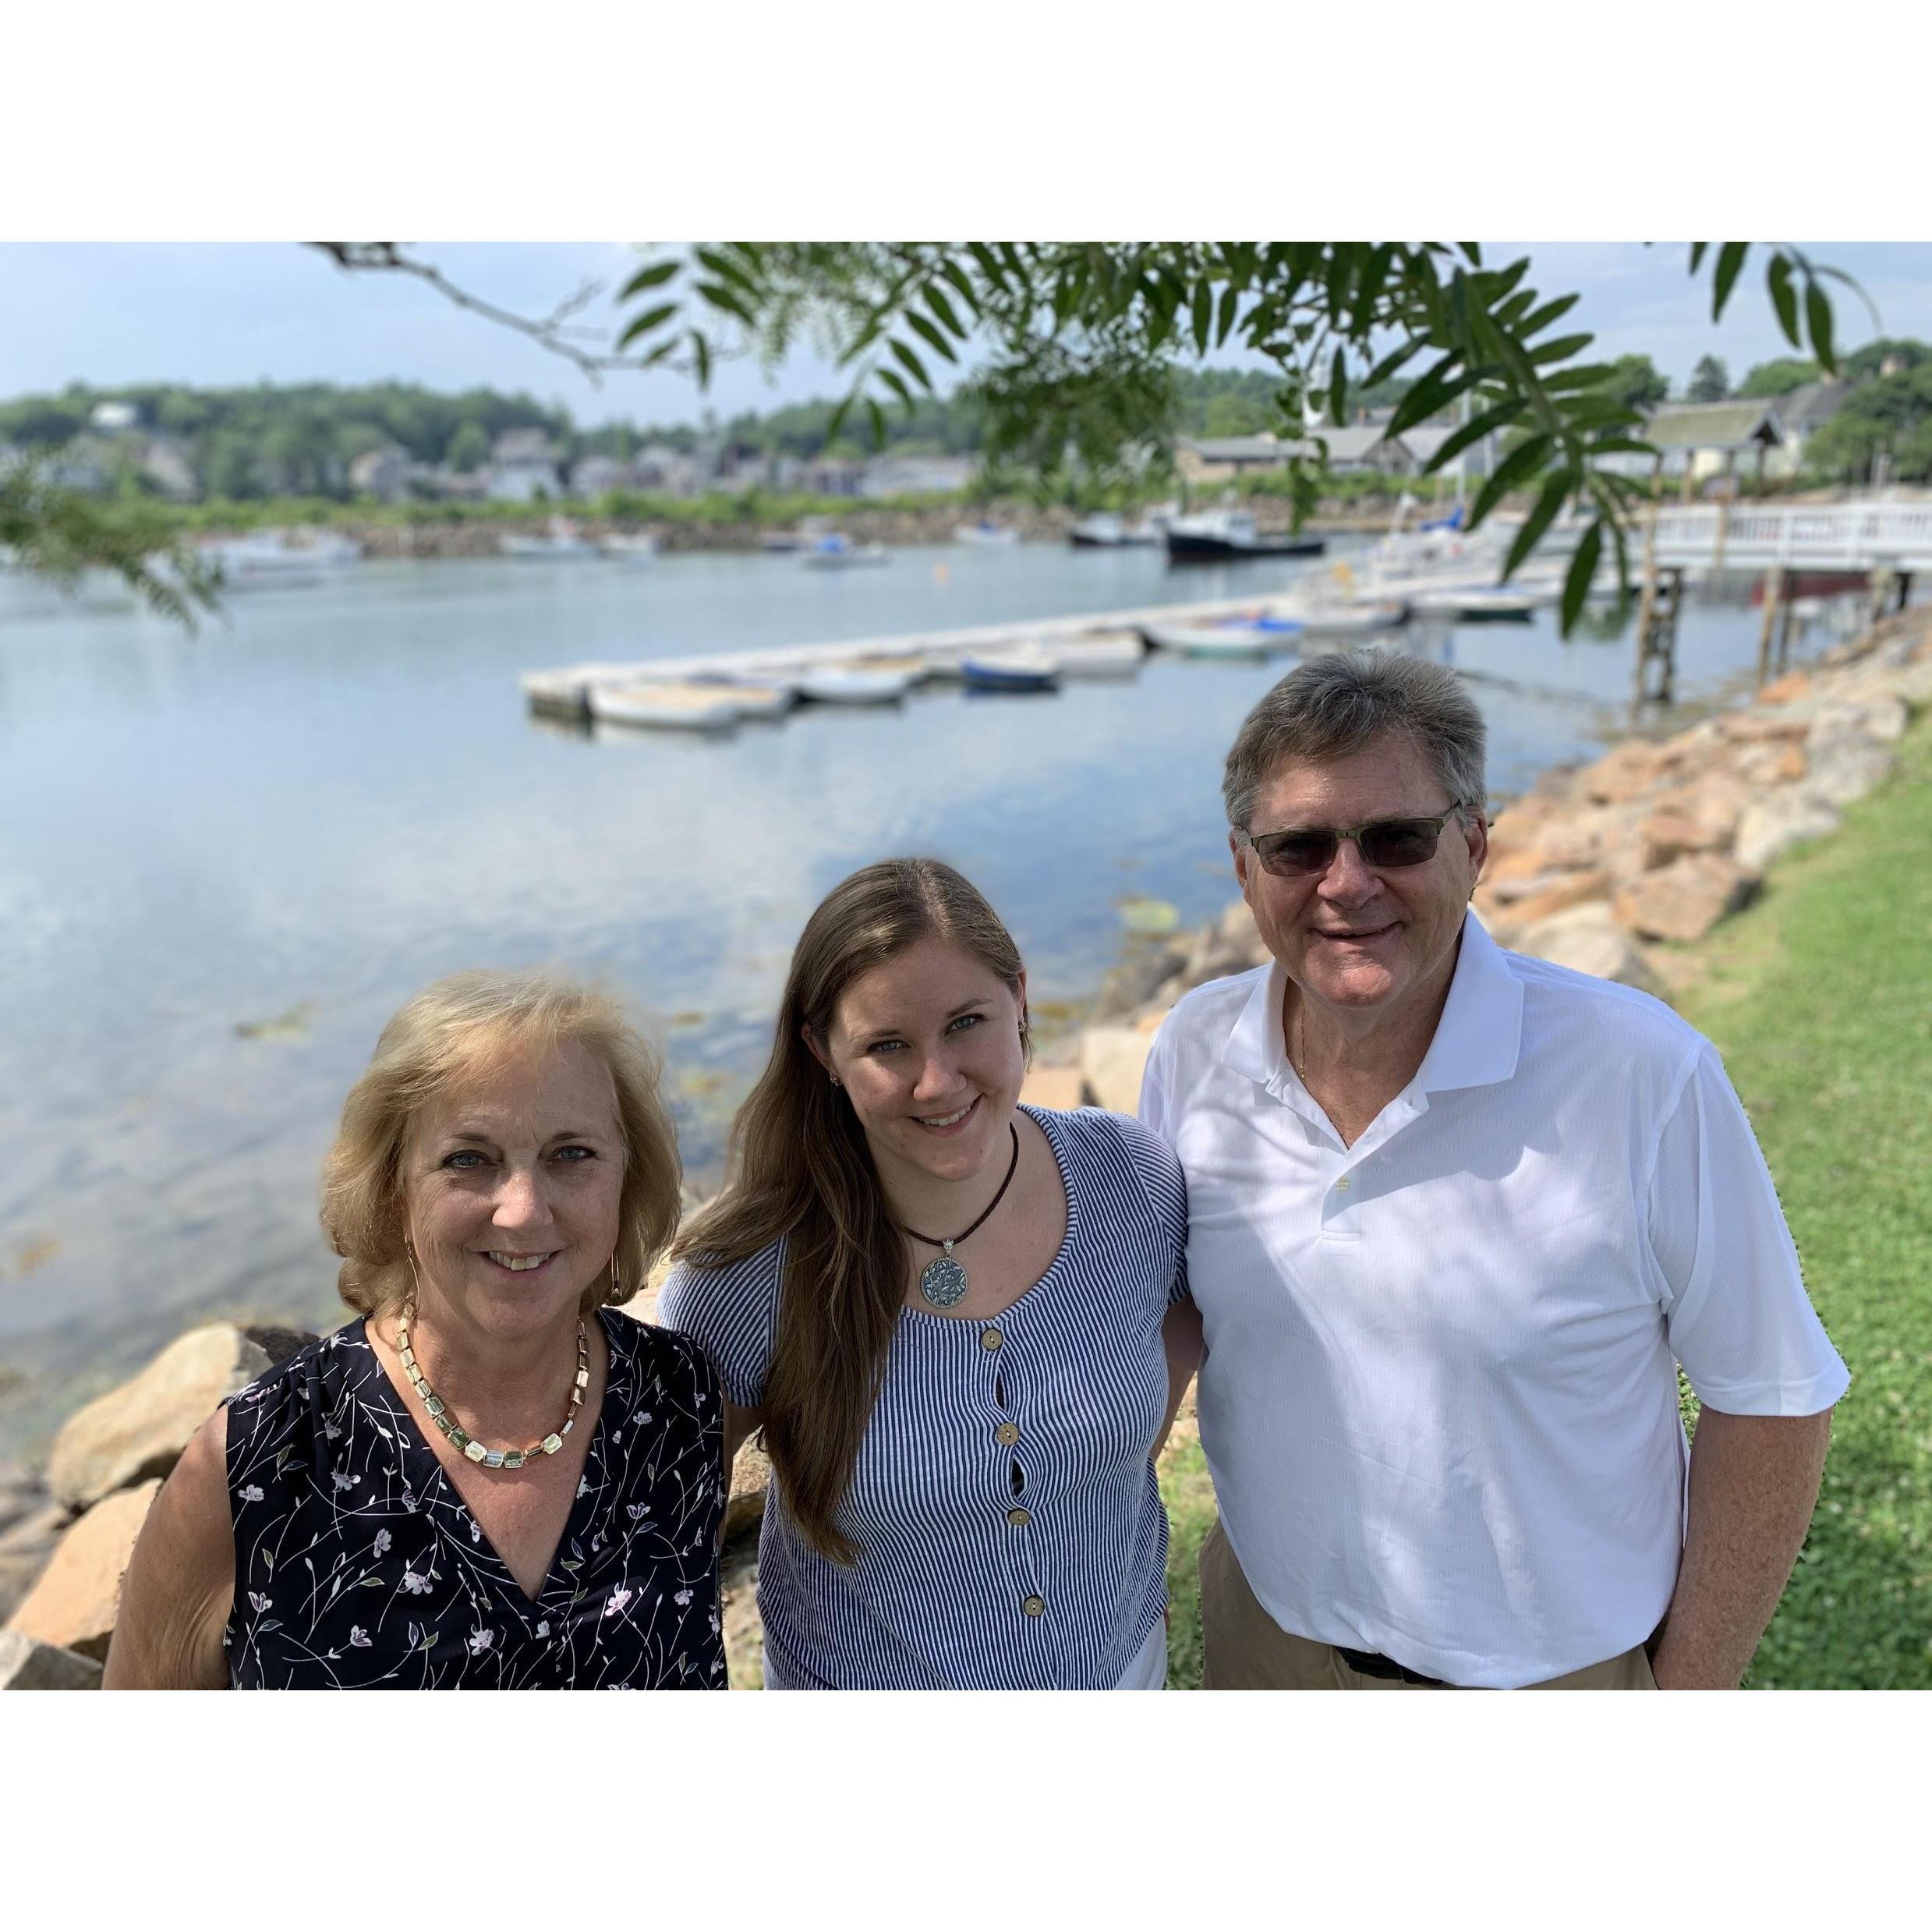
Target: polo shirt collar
1477, 1040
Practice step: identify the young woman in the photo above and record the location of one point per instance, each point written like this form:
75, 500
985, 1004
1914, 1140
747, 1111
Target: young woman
962, 1325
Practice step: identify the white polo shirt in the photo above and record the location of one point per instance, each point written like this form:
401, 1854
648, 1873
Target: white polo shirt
1438, 1402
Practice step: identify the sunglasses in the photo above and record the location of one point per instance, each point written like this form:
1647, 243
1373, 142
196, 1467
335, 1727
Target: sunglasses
1388, 844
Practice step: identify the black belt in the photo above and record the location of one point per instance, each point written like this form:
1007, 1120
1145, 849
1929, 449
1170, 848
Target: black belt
1373, 1664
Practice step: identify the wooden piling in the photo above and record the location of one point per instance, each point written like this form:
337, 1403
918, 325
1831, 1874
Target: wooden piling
1774, 590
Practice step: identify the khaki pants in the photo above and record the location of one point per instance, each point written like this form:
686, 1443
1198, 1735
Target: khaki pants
1244, 1648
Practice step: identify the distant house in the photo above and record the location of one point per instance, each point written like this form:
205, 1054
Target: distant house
1801, 414
1426, 438
523, 467
114, 419
1207, 459
659, 466
382, 473
1698, 441
594, 476
832, 476
87, 464
1359, 448
915, 475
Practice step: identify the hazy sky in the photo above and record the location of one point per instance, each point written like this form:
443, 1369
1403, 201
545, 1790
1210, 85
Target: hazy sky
223, 314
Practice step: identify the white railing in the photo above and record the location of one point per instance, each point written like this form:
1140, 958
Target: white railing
1852, 536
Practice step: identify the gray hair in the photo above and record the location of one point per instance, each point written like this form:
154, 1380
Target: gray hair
1332, 707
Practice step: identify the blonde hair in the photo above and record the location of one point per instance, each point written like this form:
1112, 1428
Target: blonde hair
449, 1032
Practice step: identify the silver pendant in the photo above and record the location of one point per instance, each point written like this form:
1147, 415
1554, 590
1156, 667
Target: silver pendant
943, 1282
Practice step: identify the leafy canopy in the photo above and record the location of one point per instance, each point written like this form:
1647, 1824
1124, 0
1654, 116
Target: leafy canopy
1078, 344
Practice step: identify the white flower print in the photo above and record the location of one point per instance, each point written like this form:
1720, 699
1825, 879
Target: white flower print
618, 1598
634, 1510
583, 1485
642, 1416
252, 1492
331, 1431
481, 1641
259, 1601
476, 1534
682, 1598
342, 1480
415, 1585
358, 1638
383, 1539
543, 1628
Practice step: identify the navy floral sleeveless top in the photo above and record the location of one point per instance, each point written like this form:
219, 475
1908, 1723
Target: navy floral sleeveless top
358, 1566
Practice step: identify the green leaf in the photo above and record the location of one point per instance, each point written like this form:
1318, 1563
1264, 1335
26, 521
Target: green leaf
1550, 311
1818, 314
1230, 300
896, 382
1338, 387
936, 300
1697, 254
1203, 316
701, 348
1430, 395
717, 261
878, 416
1539, 520
1730, 265
651, 276
1522, 461
989, 265
1474, 430
1560, 348
1583, 567
1563, 382
1474, 251
1389, 364
928, 333
963, 283
1784, 298
840, 414
721, 297
644, 323
911, 364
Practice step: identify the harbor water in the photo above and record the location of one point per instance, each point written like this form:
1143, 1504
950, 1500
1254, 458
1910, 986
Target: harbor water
226, 858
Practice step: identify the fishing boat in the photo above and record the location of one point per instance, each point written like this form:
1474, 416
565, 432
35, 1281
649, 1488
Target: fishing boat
667, 704
639, 548
985, 532
1252, 636
1478, 604
271, 558
848, 684
1216, 536
837, 551
560, 544
1016, 670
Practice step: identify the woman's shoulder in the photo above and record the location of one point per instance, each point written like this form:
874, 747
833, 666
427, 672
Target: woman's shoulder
1110, 1140
325, 1359
701, 1281
665, 1353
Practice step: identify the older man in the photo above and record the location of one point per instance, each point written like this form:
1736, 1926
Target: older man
1456, 1214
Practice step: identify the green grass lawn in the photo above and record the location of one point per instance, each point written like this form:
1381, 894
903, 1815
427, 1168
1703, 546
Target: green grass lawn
1820, 998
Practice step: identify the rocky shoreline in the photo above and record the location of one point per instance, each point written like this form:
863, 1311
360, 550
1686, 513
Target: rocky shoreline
1619, 868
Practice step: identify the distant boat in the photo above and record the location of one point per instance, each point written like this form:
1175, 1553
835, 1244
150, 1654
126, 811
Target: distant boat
1218, 535
561, 544
1360, 619
985, 532
837, 551
755, 697
668, 706
640, 548
1020, 670
1230, 637
271, 558
1106, 530
840, 684
1109, 654
1478, 604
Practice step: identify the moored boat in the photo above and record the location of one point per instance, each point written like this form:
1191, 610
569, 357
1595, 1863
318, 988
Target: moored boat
1253, 636
1479, 604
1216, 536
837, 551
1103, 654
668, 704
985, 531
560, 544
639, 547
1021, 669
848, 684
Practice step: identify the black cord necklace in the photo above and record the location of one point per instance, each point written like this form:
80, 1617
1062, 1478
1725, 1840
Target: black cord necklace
942, 1281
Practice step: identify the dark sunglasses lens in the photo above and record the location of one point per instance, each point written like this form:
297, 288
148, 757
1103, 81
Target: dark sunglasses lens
1293, 853
1399, 841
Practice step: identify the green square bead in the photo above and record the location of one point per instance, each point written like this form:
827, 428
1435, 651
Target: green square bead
552, 1443
513, 1459
459, 1438
436, 1405
493, 1459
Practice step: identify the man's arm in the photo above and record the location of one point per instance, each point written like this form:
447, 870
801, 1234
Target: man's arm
1753, 1482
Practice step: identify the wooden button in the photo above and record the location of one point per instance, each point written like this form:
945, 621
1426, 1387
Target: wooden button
990, 1339
1007, 1434
1035, 1606
1019, 1518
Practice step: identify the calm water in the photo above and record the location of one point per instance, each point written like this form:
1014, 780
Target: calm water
225, 859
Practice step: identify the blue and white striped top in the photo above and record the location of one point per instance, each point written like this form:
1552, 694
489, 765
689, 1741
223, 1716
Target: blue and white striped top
1036, 1565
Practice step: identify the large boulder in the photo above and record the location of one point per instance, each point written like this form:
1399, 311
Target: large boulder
1113, 1059
1685, 899
1059, 1087
141, 1428
1879, 719
27, 1663
74, 1604
1587, 940
1629, 770
1770, 828
1844, 769
24, 1551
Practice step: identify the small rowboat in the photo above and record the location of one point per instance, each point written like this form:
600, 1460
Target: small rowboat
756, 698
667, 704
639, 549
1014, 671
1348, 620
837, 552
1477, 606
840, 685
1233, 637
1105, 654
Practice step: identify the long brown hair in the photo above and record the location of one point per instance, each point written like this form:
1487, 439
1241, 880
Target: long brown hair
800, 1168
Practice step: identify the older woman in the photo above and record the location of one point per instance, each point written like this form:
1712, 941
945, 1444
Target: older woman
411, 1500
962, 1324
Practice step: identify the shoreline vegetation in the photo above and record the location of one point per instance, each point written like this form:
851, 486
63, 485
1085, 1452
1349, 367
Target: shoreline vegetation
1760, 868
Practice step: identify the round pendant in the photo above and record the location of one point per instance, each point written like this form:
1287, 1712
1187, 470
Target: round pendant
943, 1282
